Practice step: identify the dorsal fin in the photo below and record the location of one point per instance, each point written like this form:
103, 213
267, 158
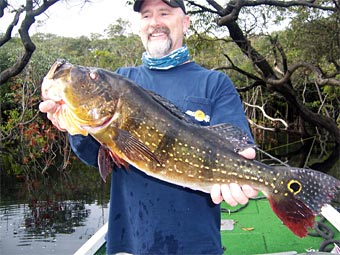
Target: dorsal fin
236, 137
171, 107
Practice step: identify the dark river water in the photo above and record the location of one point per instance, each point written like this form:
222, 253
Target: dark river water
21, 233
50, 217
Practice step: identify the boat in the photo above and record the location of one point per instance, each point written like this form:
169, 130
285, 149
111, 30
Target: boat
96, 244
260, 232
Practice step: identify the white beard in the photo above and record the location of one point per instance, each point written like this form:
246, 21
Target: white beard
157, 49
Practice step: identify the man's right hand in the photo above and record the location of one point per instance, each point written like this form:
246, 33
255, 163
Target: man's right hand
51, 107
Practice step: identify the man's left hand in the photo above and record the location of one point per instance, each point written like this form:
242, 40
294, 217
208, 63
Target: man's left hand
233, 193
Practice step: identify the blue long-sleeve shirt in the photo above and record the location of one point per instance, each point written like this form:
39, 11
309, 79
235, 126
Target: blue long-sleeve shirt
149, 216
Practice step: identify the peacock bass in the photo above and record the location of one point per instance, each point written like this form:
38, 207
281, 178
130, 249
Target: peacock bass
139, 128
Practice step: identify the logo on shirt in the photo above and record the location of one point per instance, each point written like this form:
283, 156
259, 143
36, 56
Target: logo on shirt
199, 115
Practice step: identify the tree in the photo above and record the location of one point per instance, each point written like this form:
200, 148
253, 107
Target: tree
30, 144
278, 77
282, 74
31, 10
28, 12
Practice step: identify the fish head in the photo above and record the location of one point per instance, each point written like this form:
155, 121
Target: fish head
85, 95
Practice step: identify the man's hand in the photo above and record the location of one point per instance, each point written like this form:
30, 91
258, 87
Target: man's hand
233, 193
51, 107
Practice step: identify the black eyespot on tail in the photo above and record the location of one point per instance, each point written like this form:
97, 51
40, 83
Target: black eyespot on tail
294, 186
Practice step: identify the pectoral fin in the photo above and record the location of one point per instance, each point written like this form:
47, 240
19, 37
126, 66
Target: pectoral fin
134, 149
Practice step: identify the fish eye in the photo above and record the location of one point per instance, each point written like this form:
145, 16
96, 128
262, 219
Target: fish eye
93, 75
294, 186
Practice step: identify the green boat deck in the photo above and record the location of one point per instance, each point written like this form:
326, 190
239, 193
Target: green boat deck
257, 230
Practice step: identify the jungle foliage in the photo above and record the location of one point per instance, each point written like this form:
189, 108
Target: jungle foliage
288, 79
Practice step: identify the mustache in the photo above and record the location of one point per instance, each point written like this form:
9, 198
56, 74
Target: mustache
159, 30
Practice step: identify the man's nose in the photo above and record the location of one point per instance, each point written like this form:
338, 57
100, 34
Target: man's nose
155, 21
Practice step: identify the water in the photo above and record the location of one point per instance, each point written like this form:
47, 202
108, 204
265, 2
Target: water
27, 231
50, 217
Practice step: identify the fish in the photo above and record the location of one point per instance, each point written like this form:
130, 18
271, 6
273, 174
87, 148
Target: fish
140, 128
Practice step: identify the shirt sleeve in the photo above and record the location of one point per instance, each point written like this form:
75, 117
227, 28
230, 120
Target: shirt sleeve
86, 148
227, 106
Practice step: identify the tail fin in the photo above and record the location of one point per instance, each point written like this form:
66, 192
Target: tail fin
299, 196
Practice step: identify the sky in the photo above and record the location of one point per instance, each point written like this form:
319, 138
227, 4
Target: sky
73, 19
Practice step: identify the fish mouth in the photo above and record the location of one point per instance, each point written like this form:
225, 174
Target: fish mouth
98, 126
50, 87
58, 69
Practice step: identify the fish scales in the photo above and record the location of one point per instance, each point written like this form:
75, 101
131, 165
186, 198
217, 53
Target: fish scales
136, 127
203, 157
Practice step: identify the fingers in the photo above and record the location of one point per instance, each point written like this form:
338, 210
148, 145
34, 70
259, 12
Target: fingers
48, 106
51, 107
249, 191
248, 153
232, 194
215, 194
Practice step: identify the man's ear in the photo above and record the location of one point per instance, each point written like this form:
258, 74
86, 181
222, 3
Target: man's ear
186, 23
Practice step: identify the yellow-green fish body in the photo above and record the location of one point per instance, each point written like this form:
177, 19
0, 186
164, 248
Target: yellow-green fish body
142, 129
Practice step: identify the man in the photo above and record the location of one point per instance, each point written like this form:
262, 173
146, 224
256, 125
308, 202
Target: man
149, 216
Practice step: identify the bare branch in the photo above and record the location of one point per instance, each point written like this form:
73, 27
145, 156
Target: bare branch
29, 46
233, 9
261, 108
253, 123
317, 74
287, 4
239, 70
8, 34
3, 6
204, 8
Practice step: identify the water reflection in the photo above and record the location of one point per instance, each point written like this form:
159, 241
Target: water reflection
27, 231
55, 216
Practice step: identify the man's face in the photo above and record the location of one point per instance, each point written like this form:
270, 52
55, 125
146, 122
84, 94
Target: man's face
162, 27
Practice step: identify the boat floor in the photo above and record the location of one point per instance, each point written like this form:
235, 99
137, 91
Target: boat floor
255, 229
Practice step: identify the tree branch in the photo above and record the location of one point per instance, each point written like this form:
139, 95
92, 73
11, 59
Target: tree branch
283, 85
8, 34
3, 6
234, 7
29, 46
261, 108
317, 74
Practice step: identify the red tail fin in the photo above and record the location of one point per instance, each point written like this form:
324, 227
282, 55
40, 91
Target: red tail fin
294, 214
